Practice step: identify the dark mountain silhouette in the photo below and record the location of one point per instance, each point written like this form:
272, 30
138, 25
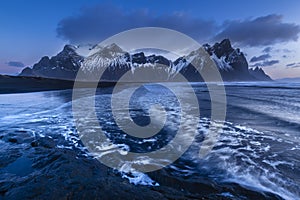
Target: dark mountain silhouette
230, 62
62, 66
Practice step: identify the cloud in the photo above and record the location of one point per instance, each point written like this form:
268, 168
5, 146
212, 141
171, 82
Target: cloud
293, 65
266, 63
287, 51
267, 50
260, 58
261, 31
15, 64
94, 24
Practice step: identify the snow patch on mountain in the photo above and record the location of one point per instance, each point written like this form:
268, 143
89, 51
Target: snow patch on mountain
221, 62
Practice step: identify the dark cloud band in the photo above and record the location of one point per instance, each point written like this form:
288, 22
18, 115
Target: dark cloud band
15, 64
293, 65
260, 58
261, 31
266, 63
94, 24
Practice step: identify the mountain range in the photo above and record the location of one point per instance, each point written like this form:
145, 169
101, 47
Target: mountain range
231, 63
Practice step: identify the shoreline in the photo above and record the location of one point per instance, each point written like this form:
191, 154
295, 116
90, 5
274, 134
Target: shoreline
22, 84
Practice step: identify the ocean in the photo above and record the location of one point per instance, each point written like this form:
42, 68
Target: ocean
256, 154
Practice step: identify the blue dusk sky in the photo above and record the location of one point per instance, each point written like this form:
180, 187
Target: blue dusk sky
266, 31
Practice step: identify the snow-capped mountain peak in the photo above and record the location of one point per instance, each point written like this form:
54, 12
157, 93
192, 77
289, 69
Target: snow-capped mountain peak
108, 56
231, 63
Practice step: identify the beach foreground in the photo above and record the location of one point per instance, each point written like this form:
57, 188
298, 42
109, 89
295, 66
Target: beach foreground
256, 155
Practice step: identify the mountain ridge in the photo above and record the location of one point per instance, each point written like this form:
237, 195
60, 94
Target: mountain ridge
231, 63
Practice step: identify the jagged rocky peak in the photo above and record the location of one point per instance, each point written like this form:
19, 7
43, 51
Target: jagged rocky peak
27, 71
113, 47
223, 48
64, 65
198, 58
139, 58
109, 51
157, 59
69, 48
192, 55
259, 74
200, 52
111, 56
227, 57
68, 51
231, 63
45, 61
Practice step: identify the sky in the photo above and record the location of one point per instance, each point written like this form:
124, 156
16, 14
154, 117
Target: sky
266, 31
